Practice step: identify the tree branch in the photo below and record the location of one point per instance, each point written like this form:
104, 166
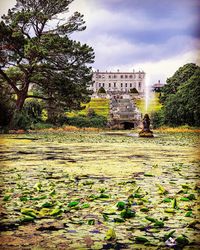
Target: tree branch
38, 97
9, 81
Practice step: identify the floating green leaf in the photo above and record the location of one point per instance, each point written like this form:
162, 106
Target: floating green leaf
110, 234
27, 218
127, 213
121, 205
169, 210
7, 197
167, 200
150, 219
73, 203
141, 240
188, 214
85, 205
91, 222
29, 211
170, 234
184, 199
144, 209
182, 240
55, 212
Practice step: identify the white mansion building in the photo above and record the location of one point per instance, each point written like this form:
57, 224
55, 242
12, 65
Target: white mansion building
122, 82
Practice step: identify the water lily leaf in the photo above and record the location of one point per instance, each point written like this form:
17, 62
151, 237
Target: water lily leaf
55, 212
109, 211
159, 224
144, 209
38, 198
167, 200
44, 212
174, 204
38, 186
92, 197
110, 234
7, 197
182, 240
88, 182
24, 198
105, 217
121, 205
184, 199
119, 220
73, 203
141, 240
188, 214
148, 174
150, 219
47, 204
162, 190
91, 222
169, 210
29, 211
170, 234
191, 197
104, 196
27, 218
186, 186
85, 205
127, 213
52, 193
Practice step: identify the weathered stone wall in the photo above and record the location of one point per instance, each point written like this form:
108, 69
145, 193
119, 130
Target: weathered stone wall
123, 113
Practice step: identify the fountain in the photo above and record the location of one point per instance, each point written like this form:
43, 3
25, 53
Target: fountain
146, 132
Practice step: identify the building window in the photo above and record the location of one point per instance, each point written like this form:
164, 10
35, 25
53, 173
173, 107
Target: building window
109, 85
114, 84
126, 76
122, 76
99, 85
139, 85
109, 76
103, 85
121, 85
115, 76
99, 76
126, 85
130, 76
130, 85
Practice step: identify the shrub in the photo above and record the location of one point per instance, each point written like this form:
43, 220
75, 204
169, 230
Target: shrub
134, 91
157, 119
86, 122
101, 91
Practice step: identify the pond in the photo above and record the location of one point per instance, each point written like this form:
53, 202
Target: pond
89, 190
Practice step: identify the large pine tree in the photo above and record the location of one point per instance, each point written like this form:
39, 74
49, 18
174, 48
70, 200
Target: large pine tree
36, 45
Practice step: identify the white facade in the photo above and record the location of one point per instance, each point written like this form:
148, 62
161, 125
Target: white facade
118, 81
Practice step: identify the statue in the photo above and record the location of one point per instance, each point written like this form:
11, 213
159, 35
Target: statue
146, 132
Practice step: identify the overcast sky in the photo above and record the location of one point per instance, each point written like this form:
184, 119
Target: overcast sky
151, 35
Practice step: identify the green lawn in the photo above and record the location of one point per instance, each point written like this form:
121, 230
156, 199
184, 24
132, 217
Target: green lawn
154, 104
99, 105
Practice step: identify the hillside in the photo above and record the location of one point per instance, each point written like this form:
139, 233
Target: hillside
99, 105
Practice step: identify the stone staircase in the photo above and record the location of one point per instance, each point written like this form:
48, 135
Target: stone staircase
123, 113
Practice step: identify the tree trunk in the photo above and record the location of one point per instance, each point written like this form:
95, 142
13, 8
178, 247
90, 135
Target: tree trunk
21, 97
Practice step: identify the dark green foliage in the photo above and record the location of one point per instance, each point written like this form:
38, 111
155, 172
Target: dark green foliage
91, 113
181, 99
134, 91
182, 75
6, 105
157, 119
45, 56
102, 91
83, 121
33, 108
